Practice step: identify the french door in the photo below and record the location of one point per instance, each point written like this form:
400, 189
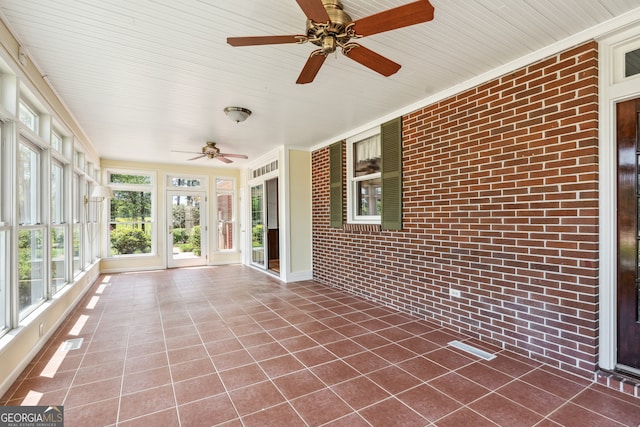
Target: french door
628, 290
187, 228
258, 249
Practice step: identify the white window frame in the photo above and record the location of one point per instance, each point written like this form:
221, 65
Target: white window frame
151, 187
57, 142
5, 230
234, 212
62, 223
352, 181
25, 105
36, 224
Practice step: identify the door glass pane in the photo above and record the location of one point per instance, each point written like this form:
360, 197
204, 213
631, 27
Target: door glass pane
257, 224
185, 183
30, 269
186, 226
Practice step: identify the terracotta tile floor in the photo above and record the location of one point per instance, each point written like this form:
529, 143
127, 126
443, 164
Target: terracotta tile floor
233, 346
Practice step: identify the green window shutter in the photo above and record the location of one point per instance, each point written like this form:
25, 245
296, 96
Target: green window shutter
335, 183
391, 147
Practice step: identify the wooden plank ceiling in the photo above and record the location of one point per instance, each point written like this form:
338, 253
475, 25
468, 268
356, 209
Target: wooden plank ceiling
144, 77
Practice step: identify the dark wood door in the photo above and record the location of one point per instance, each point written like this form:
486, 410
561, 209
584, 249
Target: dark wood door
628, 295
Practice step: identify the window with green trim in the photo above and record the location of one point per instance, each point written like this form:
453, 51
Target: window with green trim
374, 177
364, 183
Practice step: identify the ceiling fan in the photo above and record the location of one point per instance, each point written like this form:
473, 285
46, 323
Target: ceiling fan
211, 151
330, 27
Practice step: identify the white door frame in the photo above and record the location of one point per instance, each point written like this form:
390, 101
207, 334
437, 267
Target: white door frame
173, 262
613, 88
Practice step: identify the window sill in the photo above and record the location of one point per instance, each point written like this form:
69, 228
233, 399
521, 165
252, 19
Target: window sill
361, 227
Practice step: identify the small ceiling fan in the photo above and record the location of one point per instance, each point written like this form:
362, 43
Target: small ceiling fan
330, 27
211, 151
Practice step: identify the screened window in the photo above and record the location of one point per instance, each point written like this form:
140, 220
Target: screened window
130, 214
225, 195
364, 161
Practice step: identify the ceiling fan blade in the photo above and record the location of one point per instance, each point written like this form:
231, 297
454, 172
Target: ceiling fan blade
311, 68
223, 159
402, 16
262, 40
235, 156
314, 9
372, 60
197, 157
189, 152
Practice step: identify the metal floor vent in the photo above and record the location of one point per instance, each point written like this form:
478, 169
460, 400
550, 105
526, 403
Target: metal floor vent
72, 344
473, 350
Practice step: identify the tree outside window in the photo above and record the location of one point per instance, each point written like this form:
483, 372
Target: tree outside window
130, 219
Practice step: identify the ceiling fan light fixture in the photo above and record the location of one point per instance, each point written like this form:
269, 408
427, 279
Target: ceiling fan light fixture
237, 114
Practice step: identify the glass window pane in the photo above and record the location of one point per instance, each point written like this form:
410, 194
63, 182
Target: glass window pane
56, 142
28, 185
30, 270
57, 258
632, 63
28, 117
129, 239
225, 214
116, 178
57, 194
366, 155
224, 184
77, 199
370, 197
77, 236
4, 280
2, 177
185, 183
257, 228
225, 220
130, 222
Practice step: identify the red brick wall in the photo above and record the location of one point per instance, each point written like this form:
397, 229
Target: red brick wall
500, 201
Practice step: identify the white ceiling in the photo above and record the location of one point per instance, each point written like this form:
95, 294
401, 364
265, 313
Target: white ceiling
144, 77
